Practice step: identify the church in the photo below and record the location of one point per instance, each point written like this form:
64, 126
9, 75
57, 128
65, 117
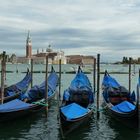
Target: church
40, 57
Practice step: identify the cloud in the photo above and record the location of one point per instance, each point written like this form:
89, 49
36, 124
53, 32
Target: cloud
75, 26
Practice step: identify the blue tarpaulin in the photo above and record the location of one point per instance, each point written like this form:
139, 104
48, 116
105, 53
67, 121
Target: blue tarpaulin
80, 82
109, 81
23, 84
14, 105
124, 107
80, 85
38, 91
73, 111
19, 87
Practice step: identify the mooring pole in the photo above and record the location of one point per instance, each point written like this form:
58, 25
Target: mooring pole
3, 65
5, 68
46, 85
94, 75
59, 92
31, 73
130, 74
58, 100
98, 83
139, 76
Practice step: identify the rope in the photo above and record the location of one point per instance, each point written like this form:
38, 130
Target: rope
40, 103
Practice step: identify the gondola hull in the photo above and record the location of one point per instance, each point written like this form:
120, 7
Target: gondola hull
130, 119
17, 89
119, 103
69, 126
7, 116
32, 101
77, 105
125, 116
36, 107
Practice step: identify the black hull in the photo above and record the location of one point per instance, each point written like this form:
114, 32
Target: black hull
114, 94
131, 119
69, 126
7, 116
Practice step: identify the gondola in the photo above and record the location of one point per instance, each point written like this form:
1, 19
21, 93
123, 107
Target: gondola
118, 101
15, 90
77, 104
30, 102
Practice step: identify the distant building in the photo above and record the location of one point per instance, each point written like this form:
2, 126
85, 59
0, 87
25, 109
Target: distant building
59, 55
80, 59
40, 57
88, 60
74, 59
23, 60
53, 57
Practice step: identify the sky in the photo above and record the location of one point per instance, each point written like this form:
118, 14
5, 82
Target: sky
87, 27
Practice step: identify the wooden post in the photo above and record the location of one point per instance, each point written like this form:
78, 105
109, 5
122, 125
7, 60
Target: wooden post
4, 68
98, 83
58, 100
130, 74
31, 73
3, 63
94, 76
46, 85
139, 75
59, 92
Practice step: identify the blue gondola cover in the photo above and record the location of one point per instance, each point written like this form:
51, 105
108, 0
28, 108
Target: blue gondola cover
124, 107
73, 111
14, 105
108, 81
19, 87
79, 85
38, 91
81, 82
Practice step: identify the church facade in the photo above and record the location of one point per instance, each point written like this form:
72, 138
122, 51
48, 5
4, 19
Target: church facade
40, 57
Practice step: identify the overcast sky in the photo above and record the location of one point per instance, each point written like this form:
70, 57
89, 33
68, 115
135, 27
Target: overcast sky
87, 27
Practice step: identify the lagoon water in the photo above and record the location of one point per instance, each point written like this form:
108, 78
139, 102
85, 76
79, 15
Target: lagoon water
38, 127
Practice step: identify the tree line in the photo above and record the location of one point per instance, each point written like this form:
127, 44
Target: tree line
125, 60
9, 58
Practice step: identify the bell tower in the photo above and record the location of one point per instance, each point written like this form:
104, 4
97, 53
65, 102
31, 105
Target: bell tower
28, 46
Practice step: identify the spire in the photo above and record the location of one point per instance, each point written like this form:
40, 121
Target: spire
28, 45
28, 37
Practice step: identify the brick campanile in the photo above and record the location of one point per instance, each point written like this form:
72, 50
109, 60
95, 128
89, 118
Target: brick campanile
28, 46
